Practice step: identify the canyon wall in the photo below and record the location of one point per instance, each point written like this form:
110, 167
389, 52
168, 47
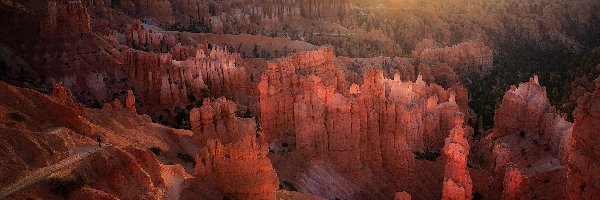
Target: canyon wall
65, 19
162, 82
159, 12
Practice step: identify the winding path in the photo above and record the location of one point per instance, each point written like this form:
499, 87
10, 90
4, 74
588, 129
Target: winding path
43, 173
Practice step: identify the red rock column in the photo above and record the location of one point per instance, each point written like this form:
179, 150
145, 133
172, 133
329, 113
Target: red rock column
130, 102
60, 92
513, 180
457, 181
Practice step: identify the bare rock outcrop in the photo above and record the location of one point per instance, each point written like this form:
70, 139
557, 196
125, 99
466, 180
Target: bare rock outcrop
583, 164
280, 84
130, 102
60, 92
402, 196
228, 166
527, 110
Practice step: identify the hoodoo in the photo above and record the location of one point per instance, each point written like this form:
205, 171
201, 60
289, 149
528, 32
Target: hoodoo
299, 99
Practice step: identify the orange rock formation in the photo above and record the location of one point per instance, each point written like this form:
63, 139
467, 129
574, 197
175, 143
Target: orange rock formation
242, 170
457, 181
374, 126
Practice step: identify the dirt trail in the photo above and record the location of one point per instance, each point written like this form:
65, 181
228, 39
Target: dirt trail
43, 173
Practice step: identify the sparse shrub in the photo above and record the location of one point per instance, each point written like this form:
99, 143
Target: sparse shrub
477, 196
287, 186
547, 147
155, 150
241, 114
64, 188
186, 157
427, 155
191, 97
522, 134
17, 117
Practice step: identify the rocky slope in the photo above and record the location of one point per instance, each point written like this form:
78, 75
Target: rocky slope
136, 153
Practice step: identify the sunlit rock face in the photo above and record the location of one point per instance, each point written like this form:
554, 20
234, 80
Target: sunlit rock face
376, 126
242, 170
583, 165
532, 143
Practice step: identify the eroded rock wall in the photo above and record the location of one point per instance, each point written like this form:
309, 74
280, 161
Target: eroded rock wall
583, 164
65, 19
376, 125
